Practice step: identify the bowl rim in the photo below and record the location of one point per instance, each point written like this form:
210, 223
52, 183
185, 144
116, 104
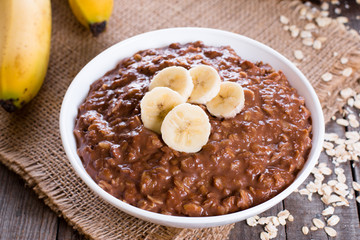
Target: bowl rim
184, 221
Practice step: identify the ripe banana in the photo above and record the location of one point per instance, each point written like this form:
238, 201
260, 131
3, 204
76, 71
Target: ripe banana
156, 104
229, 101
206, 84
186, 128
25, 33
176, 78
93, 14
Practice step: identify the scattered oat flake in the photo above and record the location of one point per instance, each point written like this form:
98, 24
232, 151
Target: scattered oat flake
272, 234
354, 123
309, 16
356, 186
330, 231
341, 178
318, 223
321, 39
263, 221
313, 228
332, 182
344, 60
333, 220
294, 31
330, 136
342, 19
251, 222
317, 45
327, 76
324, 13
305, 34
330, 199
302, 11
282, 221
357, 104
342, 122
284, 214
298, 54
328, 145
328, 211
304, 191
323, 21
325, 6
326, 171
337, 11
352, 117
339, 170
264, 236
308, 41
347, 72
310, 26
305, 230
358, 1
270, 228
291, 218
326, 189
347, 92
275, 221
284, 20
358, 199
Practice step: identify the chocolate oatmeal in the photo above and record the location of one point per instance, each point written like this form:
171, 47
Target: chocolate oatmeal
248, 159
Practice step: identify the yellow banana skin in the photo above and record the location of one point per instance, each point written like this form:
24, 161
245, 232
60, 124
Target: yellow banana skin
25, 34
93, 14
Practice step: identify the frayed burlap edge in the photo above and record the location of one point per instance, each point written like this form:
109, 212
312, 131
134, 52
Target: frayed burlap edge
336, 104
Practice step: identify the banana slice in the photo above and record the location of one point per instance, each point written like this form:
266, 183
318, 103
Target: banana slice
206, 84
229, 101
186, 128
176, 78
156, 104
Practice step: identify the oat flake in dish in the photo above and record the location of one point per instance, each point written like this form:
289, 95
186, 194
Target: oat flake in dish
248, 159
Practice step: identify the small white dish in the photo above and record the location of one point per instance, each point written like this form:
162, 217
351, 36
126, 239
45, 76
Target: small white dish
247, 49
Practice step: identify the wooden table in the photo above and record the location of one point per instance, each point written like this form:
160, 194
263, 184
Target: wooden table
24, 216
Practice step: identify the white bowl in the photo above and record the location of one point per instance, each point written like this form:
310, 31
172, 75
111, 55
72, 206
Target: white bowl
247, 49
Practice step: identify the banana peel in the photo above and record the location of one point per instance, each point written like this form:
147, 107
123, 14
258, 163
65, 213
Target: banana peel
25, 37
93, 14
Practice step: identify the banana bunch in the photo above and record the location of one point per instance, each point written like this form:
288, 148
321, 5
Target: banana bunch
93, 14
25, 33
183, 126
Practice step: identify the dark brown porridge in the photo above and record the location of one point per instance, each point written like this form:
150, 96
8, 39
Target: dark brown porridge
248, 159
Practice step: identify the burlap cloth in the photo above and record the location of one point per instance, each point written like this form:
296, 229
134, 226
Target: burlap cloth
29, 139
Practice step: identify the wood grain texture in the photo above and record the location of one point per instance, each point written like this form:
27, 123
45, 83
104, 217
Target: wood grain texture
65, 232
242, 231
355, 166
23, 215
304, 211
348, 215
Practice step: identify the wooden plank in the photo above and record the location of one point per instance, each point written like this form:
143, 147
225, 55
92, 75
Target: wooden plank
304, 211
23, 215
355, 166
351, 11
65, 232
243, 231
310, 210
348, 215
